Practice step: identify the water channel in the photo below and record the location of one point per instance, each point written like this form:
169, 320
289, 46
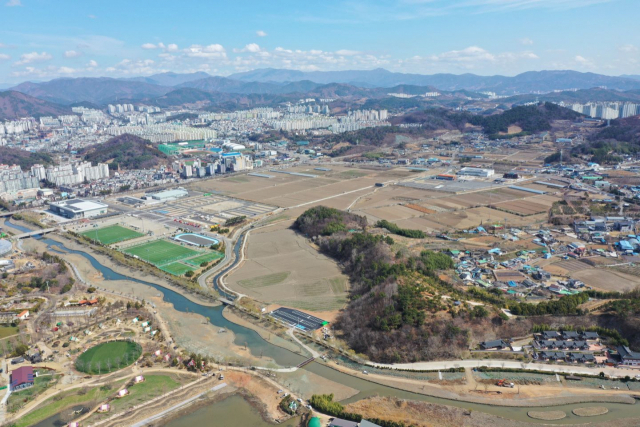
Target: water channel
257, 345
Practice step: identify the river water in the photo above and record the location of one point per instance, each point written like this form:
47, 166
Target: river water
257, 345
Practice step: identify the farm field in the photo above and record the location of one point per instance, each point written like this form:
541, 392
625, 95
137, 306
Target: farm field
108, 357
282, 268
112, 234
160, 252
607, 279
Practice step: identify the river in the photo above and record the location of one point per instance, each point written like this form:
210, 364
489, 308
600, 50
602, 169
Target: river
257, 345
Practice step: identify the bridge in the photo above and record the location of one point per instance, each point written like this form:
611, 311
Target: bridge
34, 233
225, 301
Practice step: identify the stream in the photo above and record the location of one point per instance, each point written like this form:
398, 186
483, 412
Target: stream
258, 346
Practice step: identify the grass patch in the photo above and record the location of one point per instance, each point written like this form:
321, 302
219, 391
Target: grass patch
160, 252
41, 383
108, 357
208, 257
64, 400
112, 234
176, 268
153, 386
262, 281
314, 289
7, 331
315, 304
338, 285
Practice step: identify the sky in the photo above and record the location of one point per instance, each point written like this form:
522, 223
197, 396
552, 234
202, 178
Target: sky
46, 39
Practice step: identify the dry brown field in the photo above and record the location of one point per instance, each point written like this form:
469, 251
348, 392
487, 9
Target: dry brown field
282, 268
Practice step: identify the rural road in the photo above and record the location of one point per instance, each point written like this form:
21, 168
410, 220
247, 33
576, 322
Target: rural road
510, 364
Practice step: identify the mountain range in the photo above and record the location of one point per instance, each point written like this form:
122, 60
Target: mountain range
271, 86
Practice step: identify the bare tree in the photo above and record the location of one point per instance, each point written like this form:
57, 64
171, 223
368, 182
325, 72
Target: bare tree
99, 364
108, 362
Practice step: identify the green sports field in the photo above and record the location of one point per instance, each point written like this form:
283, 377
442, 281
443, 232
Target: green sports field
108, 357
176, 268
204, 258
112, 234
161, 252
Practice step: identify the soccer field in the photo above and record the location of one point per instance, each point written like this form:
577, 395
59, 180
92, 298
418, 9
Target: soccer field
112, 234
176, 268
160, 252
204, 258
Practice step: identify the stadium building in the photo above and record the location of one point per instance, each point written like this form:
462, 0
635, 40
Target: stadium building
78, 208
482, 173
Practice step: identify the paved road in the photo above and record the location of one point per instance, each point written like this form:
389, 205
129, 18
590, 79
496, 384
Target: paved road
473, 363
174, 407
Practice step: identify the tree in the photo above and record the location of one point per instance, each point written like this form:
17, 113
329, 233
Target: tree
189, 273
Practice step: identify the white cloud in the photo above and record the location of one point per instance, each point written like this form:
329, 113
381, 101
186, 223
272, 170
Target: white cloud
27, 58
172, 47
212, 51
261, 33
72, 54
137, 67
469, 54
149, 46
92, 16
13, 3
346, 52
4, 57
583, 62
92, 64
67, 70
628, 48
526, 41
251, 47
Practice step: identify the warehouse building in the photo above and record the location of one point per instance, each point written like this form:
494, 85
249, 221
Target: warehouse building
482, 173
78, 208
169, 194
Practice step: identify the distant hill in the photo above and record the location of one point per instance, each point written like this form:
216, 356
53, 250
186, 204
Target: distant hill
25, 159
100, 90
170, 79
580, 96
127, 152
545, 81
15, 104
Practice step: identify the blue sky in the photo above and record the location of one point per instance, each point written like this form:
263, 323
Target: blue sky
44, 39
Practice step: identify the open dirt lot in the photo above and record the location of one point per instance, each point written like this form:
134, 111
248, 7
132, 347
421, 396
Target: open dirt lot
607, 279
282, 268
287, 190
433, 210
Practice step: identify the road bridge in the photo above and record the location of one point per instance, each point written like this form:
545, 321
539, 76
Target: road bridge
34, 233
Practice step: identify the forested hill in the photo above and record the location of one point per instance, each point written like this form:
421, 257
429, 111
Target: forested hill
127, 152
530, 118
25, 159
14, 105
608, 145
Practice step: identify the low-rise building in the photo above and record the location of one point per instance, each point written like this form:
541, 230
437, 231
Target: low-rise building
22, 378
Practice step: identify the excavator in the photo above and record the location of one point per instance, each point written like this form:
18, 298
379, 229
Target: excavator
504, 383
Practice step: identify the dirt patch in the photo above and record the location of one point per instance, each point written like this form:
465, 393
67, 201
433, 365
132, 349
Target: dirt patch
590, 412
547, 415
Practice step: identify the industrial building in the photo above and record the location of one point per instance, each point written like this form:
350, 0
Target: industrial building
482, 173
78, 208
169, 194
